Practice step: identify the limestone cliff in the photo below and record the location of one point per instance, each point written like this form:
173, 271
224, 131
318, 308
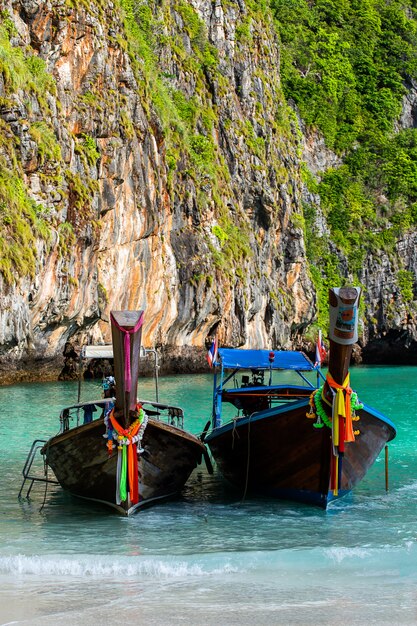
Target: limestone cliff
150, 160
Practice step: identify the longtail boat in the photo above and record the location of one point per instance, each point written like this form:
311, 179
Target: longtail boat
127, 457
308, 442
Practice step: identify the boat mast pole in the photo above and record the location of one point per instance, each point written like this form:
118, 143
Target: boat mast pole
80, 374
144, 352
126, 329
156, 375
271, 358
214, 407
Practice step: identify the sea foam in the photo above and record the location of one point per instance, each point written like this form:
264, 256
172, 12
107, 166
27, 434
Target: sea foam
276, 563
103, 567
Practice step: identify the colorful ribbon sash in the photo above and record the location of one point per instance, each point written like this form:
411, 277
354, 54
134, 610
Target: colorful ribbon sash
341, 408
127, 456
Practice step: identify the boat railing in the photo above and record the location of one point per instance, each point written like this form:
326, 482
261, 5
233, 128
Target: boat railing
173, 415
249, 399
82, 413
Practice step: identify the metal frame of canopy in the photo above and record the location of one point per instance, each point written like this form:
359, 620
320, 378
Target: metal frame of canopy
106, 352
238, 359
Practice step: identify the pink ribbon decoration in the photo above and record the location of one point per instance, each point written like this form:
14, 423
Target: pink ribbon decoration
126, 345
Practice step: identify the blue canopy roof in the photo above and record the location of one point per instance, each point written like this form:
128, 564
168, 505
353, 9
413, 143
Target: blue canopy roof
234, 358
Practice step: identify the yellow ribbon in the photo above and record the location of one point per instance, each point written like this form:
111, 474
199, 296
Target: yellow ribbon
342, 406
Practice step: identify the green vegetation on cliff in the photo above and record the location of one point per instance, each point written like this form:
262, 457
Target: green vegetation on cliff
344, 63
29, 143
22, 220
170, 50
347, 65
185, 122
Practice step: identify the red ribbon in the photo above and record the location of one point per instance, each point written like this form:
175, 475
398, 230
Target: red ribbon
133, 472
127, 332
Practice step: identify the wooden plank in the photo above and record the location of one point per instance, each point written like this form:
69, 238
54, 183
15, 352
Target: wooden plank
127, 319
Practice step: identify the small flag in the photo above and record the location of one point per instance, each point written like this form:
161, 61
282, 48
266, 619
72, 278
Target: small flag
321, 352
212, 353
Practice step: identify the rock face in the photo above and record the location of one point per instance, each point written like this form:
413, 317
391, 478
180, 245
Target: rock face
165, 166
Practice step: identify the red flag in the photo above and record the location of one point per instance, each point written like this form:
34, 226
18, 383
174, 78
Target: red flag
212, 353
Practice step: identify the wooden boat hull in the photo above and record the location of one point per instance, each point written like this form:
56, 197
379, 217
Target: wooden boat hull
279, 453
82, 466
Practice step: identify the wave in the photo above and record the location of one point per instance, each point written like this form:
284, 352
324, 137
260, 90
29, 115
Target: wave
103, 567
287, 562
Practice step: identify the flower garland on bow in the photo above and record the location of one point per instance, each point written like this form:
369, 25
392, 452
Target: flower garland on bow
318, 411
128, 449
345, 403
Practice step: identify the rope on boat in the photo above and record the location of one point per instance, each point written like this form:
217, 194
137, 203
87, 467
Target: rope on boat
234, 431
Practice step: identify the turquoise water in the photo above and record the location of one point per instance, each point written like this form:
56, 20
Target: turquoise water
209, 558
